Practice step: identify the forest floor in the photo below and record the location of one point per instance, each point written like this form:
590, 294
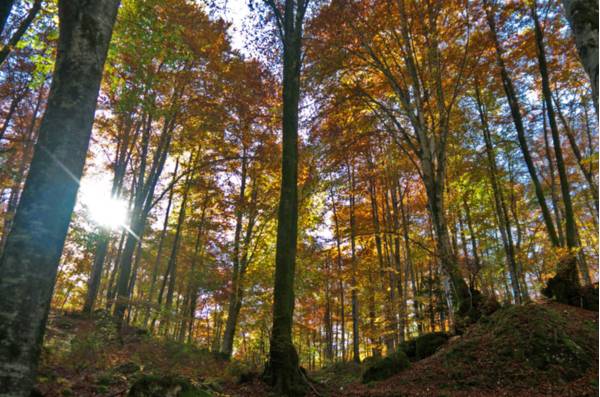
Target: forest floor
541, 349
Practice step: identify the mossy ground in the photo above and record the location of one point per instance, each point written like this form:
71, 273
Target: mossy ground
532, 350
85, 356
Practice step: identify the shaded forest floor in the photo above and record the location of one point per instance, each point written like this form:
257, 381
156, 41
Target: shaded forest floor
533, 350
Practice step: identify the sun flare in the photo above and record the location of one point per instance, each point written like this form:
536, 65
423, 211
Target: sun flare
102, 209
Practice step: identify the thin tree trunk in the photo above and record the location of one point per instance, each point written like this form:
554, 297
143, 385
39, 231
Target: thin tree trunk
515, 110
142, 205
161, 241
5, 8
327, 318
553, 193
338, 242
15, 192
238, 282
198, 257
588, 173
172, 264
405, 216
567, 267
389, 332
11, 111
500, 205
235, 301
14, 39
110, 289
397, 261
103, 239
354, 293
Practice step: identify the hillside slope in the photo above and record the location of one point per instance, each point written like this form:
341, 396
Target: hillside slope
532, 350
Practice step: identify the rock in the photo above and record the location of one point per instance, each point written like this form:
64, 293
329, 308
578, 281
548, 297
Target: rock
409, 348
427, 344
386, 367
423, 346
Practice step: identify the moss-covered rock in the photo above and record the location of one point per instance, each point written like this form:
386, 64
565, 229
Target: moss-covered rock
589, 297
472, 309
423, 346
409, 348
427, 344
165, 386
386, 367
537, 337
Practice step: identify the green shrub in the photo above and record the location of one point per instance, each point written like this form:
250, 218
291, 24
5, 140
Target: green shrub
386, 367
427, 344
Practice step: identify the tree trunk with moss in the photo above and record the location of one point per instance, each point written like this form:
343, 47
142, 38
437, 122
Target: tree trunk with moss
31, 256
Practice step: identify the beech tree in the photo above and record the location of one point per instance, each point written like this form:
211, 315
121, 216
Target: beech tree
283, 371
438, 160
33, 247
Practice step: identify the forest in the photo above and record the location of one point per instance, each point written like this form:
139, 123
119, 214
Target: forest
299, 198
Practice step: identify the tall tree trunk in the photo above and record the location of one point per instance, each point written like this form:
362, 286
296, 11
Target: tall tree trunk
552, 172
354, 293
405, 216
500, 204
515, 110
243, 260
197, 260
161, 241
235, 301
283, 371
388, 310
588, 173
172, 265
567, 267
397, 261
583, 19
31, 256
103, 239
338, 241
144, 193
327, 315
